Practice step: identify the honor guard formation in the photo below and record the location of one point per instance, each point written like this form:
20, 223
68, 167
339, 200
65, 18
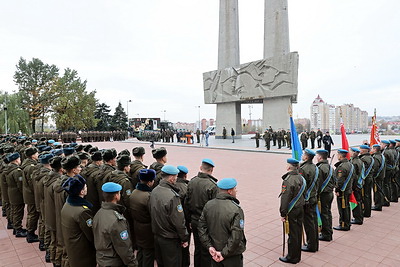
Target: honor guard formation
96, 207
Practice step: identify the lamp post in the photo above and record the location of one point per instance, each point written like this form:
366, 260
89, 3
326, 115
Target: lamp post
199, 116
5, 114
164, 111
127, 110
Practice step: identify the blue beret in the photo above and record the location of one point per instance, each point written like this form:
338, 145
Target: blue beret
169, 169
385, 142
34, 141
343, 151
183, 169
392, 141
57, 152
147, 175
111, 187
57, 143
68, 151
13, 156
376, 145
51, 141
355, 149
45, 159
320, 151
46, 148
74, 185
397, 140
292, 161
309, 151
227, 183
209, 162
73, 144
40, 147
365, 147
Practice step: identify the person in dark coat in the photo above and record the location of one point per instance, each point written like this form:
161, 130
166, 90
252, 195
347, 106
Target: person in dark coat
328, 142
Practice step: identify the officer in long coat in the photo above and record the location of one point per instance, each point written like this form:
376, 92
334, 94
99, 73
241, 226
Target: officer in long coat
379, 175
357, 185
368, 182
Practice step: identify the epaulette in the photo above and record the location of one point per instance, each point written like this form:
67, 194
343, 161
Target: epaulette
85, 207
119, 216
175, 193
236, 204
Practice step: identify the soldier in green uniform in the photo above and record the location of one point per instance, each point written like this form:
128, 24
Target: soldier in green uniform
257, 137
168, 220
4, 188
393, 196
379, 174
389, 167
14, 177
76, 224
326, 183
366, 189
92, 180
224, 132
32, 218
344, 174
137, 164
140, 213
312, 138
201, 189
110, 161
292, 209
267, 139
111, 231
310, 172
304, 139
160, 155
221, 226
289, 139
279, 137
357, 185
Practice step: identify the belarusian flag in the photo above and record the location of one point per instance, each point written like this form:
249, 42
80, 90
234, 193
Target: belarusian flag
353, 201
345, 143
374, 138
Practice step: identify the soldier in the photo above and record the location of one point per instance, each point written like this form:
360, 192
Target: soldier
93, 180
160, 155
111, 231
14, 181
32, 217
326, 183
357, 184
168, 220
289, 139
110, 161
84, 157
312, 138
274, 137
328, 142
267, 139
76, 224
291, 209
198, 135
367, 180
304, 139
137, 164
394, 186
319, 137
389, 163
224, 132
4, 188
379, 167
221, 226
280, 138
344, 172
201, 189
139, 207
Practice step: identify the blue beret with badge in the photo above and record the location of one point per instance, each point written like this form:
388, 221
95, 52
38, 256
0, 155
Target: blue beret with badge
147, 175
365, 147
322, 151
309, 152
34, 141
111, 187
343, 151
45, 158
209, 162
183, 169
354, 149
169, 169
227, 183
68, 151
13, 156
385, 142
57, 152
51, 141
292, 161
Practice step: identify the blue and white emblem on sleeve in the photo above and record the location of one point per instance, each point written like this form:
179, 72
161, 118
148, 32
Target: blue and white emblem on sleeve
124, 235
179, 208
89, 222
241, 224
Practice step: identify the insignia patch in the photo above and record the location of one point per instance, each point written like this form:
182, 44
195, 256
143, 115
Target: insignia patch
241, 223
124, 235
128, 192
89, 222
85, 207
20, 178
283, 188
179, 208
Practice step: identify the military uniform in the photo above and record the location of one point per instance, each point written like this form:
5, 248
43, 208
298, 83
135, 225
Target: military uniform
343, 172
101, 177
304, 139
92, 186
14, 177
111, 237
319, 138
357, 185
4, 194
182, 185
59, 200
312, 138
121, 178
157, 167
267, 139
136, 166
379, 174
368, 183
389, 168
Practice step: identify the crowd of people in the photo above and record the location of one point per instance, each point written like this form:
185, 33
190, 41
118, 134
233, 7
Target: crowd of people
87, 206
308, 190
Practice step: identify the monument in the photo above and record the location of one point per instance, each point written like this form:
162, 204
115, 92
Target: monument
271, 81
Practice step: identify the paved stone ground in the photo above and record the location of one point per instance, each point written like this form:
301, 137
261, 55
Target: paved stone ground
376, 243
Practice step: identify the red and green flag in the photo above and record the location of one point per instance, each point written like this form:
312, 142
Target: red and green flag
353, 201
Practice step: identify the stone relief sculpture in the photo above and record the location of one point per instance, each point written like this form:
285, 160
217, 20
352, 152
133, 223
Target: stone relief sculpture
260, 79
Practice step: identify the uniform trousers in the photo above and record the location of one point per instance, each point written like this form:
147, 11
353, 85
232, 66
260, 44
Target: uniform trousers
32, 218
7, 208
378, 196
312, 143
344, 210
17, 214
168, 252
145, 257
326, 199
202, 257
386, 186
234, 261
393, 188
311, 226
358, 210
257, 142
268, 144
55, 249
367, 196
295, 218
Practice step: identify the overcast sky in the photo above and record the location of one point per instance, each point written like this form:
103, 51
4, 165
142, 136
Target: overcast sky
154, 52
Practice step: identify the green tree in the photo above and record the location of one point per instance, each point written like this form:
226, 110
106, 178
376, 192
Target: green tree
103, 116
17, 117
35, 81
74, 108
119, 120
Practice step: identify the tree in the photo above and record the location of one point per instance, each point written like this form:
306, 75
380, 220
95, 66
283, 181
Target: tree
103, 116
35, 81
119, 120
17, 117
74, 108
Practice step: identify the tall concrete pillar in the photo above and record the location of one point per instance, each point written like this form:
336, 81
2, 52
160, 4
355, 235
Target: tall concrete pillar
228, 114
276, 43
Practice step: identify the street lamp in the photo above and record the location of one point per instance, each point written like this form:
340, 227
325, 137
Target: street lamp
5, 114
127, 109
164, 113
199, 115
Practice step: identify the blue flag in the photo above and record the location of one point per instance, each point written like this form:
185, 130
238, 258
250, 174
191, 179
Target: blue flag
296, 147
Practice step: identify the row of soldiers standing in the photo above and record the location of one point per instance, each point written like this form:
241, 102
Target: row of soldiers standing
308, 189
280, 138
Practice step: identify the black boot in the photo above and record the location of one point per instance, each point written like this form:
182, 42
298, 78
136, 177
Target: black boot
4, 214
32, 238
55, 265
9, 225
21, 233
41, 245
47, 256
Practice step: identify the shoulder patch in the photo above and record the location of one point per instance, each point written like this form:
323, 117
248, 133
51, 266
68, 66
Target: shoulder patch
124, 235
179, 208
19, 169
241, 224
89, 222
119, 216
32, 165
283, 188
128, 192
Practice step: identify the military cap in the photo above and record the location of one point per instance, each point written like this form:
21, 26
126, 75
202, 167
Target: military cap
169, 169
397, 140
55, 162
292, 161
45, 158
377, 145
365, 147
322, 151
355, 149
109, 154
183, 169
97, 156
74, 185
57, 152
227, 183
78, 148
73, 144
93, 149
46, 148
13, 156
83, 155
1, 150
70, 162
87, 147
343, 151
159, 152
392, 141
111, 187
27, 143
34, 141
138, 151
9, 149
147, 175
209, 162
68, 151
13, 140
124, 160
40, 147
309, 152
51, 141
30, 151
124, 152
56, 144
385, 142
42, 139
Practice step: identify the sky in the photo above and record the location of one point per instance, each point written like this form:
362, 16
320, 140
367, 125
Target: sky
155, 52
